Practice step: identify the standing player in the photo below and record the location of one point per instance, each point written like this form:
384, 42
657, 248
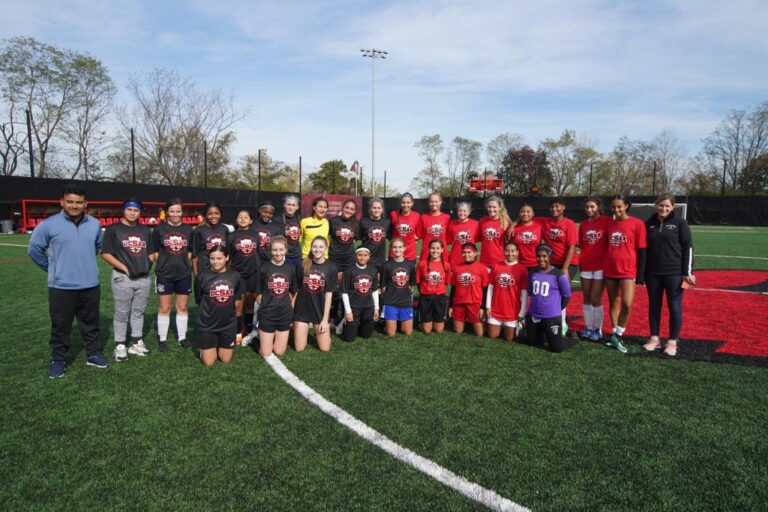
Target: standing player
468, 281
219, 295
291, 224
243, 250
314, 226
360, 294
266, 229
493, 229
397, 280
317, 280
624, 263
550, 291
173, 273
433, 225
527, 235
374, 232
275, 292
207, 236
405, 224
65, 246
593, 242
507, 297
432, 274
344, 232
462, 231
128, 248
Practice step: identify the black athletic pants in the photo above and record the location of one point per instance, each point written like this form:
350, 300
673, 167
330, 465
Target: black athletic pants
656, 286
549, 329
361, 325
64, 307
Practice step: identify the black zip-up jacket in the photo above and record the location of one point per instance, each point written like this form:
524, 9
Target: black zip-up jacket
670, 246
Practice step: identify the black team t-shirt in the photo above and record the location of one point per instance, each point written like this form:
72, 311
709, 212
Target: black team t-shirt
266, 232
374, 234
275, 284
205, 238
321, 279
215, 294
399, 279
243, 246
131, 245
343, 234
359, 284
173, 245
292, 233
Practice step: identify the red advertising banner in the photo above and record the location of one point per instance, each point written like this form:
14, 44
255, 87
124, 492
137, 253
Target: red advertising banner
335, 202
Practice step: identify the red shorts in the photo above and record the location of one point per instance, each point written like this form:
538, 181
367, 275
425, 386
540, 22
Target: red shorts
466, 313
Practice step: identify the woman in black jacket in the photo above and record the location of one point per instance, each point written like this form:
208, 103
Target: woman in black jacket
668, 268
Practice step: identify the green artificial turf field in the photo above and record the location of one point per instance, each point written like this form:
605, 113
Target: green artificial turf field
584, 430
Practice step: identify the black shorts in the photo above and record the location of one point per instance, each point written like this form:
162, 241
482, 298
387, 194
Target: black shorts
223, 339
249, 283
270, 327
308, 317
181, 286
546, 329
433, 308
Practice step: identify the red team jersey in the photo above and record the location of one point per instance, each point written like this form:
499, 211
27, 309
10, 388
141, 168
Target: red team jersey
624, 238
491, 241
433, 227
508, 282
560, 236
527, 239
593, 242
468, 281
460, 233
406, 227
432, 276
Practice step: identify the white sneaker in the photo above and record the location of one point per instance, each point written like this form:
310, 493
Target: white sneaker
140, 345
121, 354
248, 338
340, 327
134, 350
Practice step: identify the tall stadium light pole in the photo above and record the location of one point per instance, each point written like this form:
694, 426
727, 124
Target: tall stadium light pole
29, 140
373, 54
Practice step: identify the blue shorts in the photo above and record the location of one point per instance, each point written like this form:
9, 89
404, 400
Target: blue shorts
181, 286
397, 314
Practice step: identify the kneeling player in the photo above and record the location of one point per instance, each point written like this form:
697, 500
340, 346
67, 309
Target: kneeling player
318, 280
360, 294
468, 281
550, 291
397, 279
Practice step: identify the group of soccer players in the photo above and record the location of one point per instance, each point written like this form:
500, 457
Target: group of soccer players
268, 276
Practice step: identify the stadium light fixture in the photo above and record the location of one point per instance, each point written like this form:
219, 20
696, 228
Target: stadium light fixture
373, 54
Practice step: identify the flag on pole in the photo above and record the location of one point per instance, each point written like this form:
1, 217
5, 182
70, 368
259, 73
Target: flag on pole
355, 167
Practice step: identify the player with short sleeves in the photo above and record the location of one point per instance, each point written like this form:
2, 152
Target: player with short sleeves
375, 230
507, 297
549, 291
291, 224
219, 296
562, 235
360, 295
593, 242
128, 248
315, 225
207, 236
243, 249
528, 235
397, 280
624, 264
276, 292
317, 280
266, 229
493, 231
462, 231
344, 232
172, 240
433, 225
405, 224
432, 275
468, 281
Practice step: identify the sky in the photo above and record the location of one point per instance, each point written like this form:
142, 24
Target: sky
468, 68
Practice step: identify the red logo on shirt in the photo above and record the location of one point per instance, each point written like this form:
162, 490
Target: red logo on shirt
174, 242
491, 233
400, 278
434, 277
466, 278
363, 284
404, 229
618, 238
278, 284
345, 235
264, 238
213, 241
315, 281
245, 246
505, 280
376, 234
436, 230
555, 233
221, 292
592, 236
292, 232
462, 237
527, 237
134, 244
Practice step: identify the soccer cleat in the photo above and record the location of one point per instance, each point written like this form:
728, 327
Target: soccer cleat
248, 338
58, 368
162, 346
184, 342
616, 342
98, 361
140, 345
121, 354
595, 335
135, 350
585, 334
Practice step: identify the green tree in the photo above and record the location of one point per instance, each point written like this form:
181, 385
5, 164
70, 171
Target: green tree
568, 158
330, 178
524, 170
431, 177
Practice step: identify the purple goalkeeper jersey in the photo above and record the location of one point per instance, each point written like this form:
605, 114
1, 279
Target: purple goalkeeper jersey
546, 289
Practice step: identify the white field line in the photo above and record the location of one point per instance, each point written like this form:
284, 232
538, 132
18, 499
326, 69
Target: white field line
734, 228
697, 289
14, 245
471, 490
728, 256
729, 232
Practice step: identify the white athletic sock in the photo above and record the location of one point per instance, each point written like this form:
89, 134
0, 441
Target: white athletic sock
255, 317
597, 318
618, 330
181, 325
163, 323
565, 324
587, 311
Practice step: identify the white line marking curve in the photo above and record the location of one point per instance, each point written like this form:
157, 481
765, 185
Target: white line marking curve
473, 491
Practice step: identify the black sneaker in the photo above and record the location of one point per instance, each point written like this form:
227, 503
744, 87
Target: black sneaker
98, 360
185, 343
162, 346
58, 368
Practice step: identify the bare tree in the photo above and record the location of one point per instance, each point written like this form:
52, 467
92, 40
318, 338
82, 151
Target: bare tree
171, 118
631, 166
498, 148
13, 143
431, 176
462, 160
